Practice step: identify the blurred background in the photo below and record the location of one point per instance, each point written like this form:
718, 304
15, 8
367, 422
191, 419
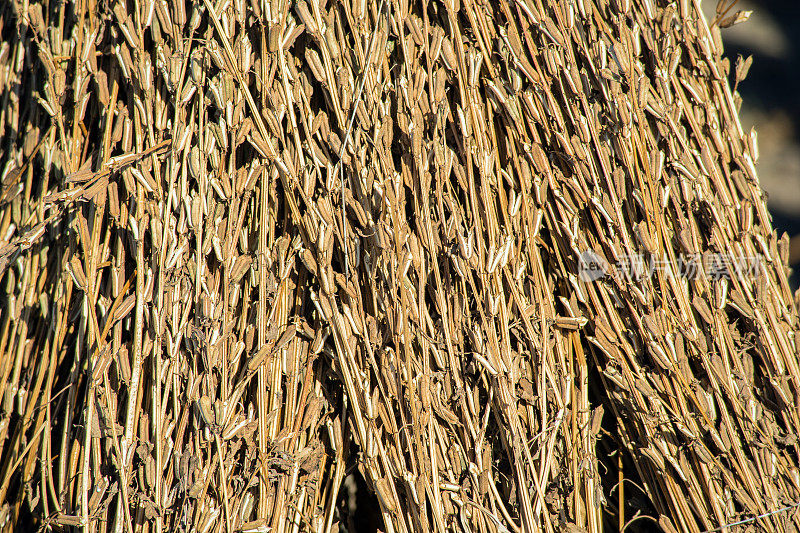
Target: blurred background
771, 96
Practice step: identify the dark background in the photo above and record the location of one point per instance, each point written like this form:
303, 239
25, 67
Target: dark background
771, 96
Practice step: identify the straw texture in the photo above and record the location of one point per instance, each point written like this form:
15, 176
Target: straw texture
250, 249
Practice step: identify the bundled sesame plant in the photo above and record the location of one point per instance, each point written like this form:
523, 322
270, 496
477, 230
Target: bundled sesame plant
349, 265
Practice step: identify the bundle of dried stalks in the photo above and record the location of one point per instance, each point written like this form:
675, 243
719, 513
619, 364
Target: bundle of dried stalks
251, 247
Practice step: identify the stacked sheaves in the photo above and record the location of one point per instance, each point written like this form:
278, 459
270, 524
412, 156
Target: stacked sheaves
350, 265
